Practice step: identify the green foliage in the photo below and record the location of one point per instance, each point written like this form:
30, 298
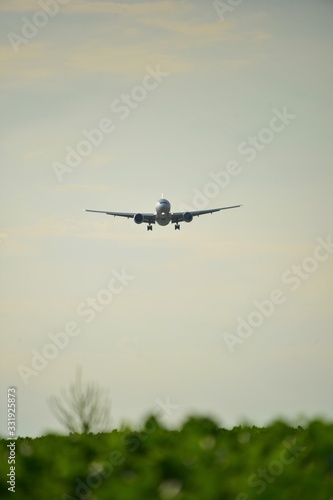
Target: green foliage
197, 462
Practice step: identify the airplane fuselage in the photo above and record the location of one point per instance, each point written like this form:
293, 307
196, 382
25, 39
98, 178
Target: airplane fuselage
163, 215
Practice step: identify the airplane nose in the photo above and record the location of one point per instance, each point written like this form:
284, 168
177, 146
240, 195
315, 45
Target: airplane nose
163, 206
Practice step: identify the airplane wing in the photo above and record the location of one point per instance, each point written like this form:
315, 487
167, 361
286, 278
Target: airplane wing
179, 216
148, 218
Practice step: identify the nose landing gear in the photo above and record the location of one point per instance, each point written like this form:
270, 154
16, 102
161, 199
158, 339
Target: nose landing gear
177, 226
149, 227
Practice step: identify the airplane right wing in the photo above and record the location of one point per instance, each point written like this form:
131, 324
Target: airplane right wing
179, 216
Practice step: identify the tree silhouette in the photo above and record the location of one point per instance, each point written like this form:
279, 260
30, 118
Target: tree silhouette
82, 409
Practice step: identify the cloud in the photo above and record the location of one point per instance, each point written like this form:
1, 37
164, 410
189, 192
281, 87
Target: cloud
195, 33
30, 66
130, 61
27, 240
99, 7
141, 34
39, 63
127, 9
19, 6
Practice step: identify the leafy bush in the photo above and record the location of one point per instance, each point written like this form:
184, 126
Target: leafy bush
197, 462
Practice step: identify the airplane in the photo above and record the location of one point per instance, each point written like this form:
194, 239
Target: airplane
163, 215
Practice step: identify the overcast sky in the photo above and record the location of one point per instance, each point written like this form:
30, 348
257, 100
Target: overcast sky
108, 105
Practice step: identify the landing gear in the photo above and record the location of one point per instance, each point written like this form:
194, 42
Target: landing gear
149, 227
177, 226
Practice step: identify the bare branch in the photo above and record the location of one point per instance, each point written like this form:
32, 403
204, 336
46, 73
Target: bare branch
82, 409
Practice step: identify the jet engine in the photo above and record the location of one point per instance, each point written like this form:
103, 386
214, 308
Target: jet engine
138, 218
188, 217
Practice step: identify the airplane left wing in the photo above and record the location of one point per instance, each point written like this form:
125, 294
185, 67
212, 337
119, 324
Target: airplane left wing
148, 218
179, 216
